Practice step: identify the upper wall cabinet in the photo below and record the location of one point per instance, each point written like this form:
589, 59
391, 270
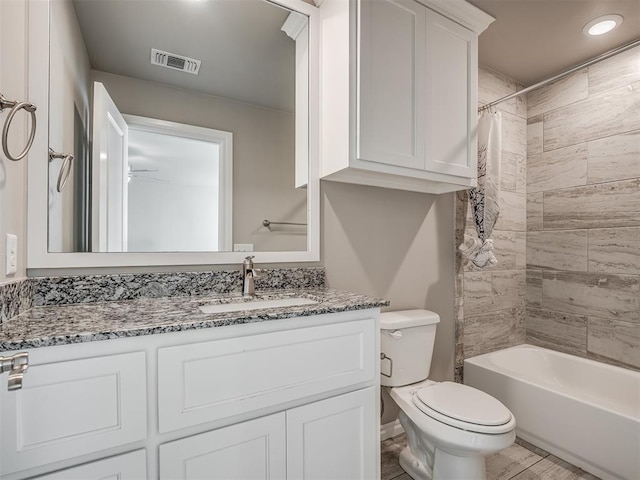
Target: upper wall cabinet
399, 93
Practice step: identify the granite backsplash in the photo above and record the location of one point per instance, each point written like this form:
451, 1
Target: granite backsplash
19, 296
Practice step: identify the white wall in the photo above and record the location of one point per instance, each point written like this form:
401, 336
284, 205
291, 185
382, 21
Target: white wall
69, 77
13, 175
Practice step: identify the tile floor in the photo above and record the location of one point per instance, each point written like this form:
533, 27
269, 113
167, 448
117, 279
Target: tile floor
521, 461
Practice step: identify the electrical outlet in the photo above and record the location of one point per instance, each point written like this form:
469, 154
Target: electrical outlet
12, 254
243, 247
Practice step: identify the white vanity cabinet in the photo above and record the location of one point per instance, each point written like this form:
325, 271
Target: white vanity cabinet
255, 449
69, 407
399, 93
328, 439
271, 399
130, 466
334, 438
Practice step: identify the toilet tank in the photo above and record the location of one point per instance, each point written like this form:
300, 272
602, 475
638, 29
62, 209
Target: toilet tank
406, 346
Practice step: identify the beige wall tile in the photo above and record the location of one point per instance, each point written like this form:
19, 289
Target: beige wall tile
521, 102
534, 288
514, 134
493, 331
565, 332
521, 174
561, 168
558, 94
477, 289
534, 211
614, 72
583, 191
597, 294
618, 340
492, 86
521, 250
493, 291
513, 212
534, 137
615, 204
615, 250
459, 285
498, 294
557, 250
508, 171
610, 113
614, 158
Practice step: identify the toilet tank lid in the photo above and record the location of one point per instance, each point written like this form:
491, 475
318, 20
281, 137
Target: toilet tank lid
407, 318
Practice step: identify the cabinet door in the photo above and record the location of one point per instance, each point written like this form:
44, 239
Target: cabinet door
391, 75
335, 438
247, 451
451, 103
70, 408
210, 381
130, 466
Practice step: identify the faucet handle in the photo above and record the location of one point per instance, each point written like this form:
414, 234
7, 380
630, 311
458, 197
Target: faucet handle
247, 264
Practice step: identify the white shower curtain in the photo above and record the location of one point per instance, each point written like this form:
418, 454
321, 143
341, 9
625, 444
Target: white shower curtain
485, 198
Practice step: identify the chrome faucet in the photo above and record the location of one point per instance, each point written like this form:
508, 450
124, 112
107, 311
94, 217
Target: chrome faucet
248, 275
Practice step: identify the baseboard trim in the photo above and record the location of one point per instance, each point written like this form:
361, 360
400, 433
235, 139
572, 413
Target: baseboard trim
391, 429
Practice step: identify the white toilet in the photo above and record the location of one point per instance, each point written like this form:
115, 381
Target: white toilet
450, 427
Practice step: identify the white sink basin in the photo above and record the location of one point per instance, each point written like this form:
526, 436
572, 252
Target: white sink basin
255, 305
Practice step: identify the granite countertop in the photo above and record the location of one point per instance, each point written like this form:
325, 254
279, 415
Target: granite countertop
76, 323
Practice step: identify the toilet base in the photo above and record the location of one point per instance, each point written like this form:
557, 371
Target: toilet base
445, 466
416, 469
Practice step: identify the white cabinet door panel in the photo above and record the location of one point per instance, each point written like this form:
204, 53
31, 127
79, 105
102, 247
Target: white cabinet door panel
451, 97
392, 70
210, 381
68, 409
130, 466
253, 450
334, 439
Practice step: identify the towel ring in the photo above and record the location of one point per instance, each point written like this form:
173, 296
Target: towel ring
65, 169
15, 108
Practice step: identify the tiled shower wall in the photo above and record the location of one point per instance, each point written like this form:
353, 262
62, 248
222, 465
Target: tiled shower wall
490, 303
583, 213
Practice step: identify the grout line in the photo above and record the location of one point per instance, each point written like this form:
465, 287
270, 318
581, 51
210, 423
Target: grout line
626, 132
570, 187
529, 467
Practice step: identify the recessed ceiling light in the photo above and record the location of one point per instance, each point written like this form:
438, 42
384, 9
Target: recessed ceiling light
602, 25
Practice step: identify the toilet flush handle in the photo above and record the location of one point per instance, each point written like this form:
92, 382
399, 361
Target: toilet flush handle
395, 334
383, 356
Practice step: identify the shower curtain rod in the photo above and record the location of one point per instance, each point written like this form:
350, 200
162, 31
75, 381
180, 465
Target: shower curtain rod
597, 59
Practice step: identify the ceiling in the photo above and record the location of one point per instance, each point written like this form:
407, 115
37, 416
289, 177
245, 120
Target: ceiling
532, 40
245, 55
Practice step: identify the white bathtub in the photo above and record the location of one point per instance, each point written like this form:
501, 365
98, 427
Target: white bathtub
583, 411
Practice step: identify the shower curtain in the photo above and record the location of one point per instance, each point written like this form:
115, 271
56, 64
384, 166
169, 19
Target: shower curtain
485, 198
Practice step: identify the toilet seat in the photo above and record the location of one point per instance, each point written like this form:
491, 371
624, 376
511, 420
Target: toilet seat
464, 407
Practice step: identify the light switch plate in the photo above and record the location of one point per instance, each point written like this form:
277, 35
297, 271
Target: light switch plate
12, 254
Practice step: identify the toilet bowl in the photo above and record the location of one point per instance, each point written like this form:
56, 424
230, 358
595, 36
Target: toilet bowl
450, 427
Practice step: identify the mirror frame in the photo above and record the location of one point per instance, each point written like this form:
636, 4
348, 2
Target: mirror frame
38, 256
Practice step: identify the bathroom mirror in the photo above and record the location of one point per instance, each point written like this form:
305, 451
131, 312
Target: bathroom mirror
191, 124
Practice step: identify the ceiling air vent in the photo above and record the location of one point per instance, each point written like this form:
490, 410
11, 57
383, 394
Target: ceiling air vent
175, 62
